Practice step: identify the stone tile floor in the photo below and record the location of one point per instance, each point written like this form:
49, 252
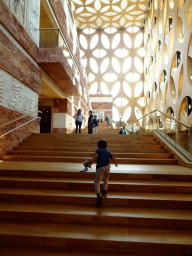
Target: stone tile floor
74, 167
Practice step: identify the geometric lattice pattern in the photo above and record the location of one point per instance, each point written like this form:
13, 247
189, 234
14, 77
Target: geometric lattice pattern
114, 62
108, 13
168, 60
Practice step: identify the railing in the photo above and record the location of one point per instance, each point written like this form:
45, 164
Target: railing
172, 130
53, 38
17, 119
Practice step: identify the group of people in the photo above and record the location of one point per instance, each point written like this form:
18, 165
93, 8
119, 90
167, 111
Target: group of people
93, 122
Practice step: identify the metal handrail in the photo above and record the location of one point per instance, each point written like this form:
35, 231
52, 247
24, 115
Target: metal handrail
162, 114
20, 126
19, 118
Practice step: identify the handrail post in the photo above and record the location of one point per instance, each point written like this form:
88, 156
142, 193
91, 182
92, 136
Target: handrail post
190, 144
176, 134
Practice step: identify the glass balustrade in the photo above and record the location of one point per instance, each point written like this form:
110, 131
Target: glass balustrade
173, 131
52, 38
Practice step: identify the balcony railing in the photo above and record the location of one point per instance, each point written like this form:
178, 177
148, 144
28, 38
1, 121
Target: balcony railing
172, 130
53, 38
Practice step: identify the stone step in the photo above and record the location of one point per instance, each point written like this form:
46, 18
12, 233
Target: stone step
90, 154
85, 139
109, 216
88, 147
87, 238
22, 149
88, 185
57, 135
49, 252
78, 159
88, 143
84, 198
90, 175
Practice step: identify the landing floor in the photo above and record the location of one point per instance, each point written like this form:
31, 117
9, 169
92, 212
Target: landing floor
74, 167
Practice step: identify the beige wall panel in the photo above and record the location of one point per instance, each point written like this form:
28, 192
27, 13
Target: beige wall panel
168, 50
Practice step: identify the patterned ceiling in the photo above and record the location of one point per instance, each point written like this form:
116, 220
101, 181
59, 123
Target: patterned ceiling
100, 14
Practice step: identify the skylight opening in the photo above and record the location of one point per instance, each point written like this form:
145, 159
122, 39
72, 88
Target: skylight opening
121, 102
104, 88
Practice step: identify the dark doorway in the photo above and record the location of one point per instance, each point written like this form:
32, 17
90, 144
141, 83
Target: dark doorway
45, 123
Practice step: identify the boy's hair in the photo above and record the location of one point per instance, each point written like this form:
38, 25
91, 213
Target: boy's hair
102, 144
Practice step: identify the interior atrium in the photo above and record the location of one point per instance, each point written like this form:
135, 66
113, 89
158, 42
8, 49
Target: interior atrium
130, 63
121, 59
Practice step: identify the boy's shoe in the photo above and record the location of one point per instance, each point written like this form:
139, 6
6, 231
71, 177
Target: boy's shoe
104, 193
84, 170
86, 162
99, 200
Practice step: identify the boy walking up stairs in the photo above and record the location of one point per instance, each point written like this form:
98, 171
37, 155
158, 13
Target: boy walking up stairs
102, 156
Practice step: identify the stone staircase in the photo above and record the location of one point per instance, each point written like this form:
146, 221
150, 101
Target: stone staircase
51, 211
138, 149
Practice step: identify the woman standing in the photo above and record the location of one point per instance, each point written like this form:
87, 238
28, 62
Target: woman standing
90, 123
78, 120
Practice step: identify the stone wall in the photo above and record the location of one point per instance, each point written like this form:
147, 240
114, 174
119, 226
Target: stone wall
27, 13
102, 105
15, 95
63, 121
10, 140
16, 99
20, 77
17, 31
16, 63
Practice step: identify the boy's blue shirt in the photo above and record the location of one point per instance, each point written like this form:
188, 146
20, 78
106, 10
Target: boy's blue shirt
103, 157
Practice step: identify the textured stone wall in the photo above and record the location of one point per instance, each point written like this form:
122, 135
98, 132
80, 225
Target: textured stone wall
14, 27
102, 105
15, 100
15, 95
20, 78
33, 14
168, 60
27, 13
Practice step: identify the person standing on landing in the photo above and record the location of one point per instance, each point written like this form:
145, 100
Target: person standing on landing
90, 123
78, 120
102, 156
95, 123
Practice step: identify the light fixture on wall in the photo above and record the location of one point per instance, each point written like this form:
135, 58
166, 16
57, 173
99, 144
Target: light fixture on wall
189, 106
